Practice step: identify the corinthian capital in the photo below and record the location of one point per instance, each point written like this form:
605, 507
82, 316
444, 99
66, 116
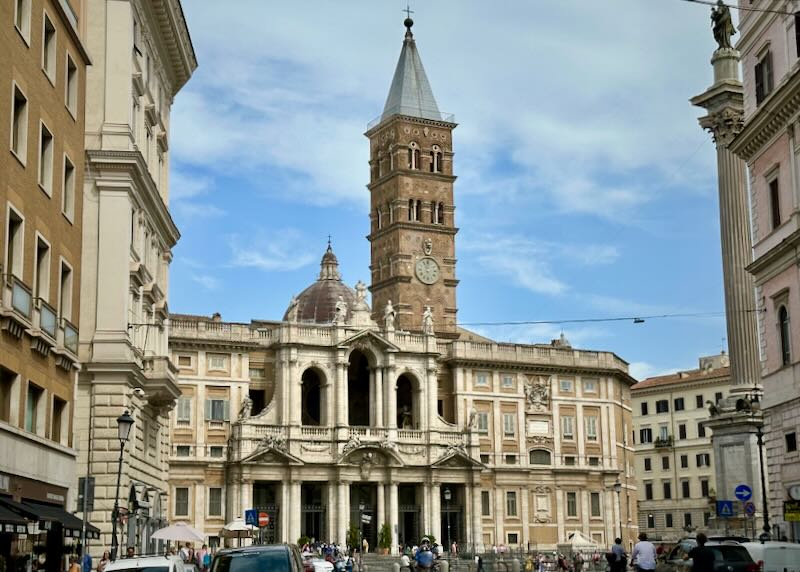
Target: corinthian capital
724, 125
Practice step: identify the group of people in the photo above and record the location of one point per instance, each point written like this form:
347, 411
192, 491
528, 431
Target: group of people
645, 555
200, 558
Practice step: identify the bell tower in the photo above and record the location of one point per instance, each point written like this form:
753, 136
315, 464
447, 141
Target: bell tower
412, 223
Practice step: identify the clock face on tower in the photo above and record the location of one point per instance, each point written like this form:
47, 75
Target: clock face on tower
427, 270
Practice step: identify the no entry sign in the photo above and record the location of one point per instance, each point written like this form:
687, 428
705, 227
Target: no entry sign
263, 519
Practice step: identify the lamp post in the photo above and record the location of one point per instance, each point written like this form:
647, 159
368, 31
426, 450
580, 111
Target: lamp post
447, 496
764, 536
124, 424
361, 508
618, 490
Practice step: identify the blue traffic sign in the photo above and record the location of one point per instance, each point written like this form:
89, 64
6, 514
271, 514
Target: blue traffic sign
749, 509
251, 517
725, 509
743, 492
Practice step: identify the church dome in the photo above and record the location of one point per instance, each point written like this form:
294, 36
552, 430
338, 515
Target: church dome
317, 303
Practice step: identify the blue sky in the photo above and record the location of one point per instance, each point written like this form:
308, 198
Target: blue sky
586, 187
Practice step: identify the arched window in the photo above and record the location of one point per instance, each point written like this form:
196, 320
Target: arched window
418, 210
411, 209
433, 212
390, 211
540, 457
413, 156
436, 159
379, 217
783, 327
380, 164
440, 213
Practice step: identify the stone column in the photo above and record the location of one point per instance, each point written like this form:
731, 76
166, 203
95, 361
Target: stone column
477, 517
378, 376
341, 394
426, 508
525, 496
246, 499
390, 381
285, 510
394, 515
295, 393
436, 511
380, 515
343, 507
432, 382
295, 508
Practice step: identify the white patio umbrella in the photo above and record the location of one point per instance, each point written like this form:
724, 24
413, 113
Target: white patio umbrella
236, 527
179, 532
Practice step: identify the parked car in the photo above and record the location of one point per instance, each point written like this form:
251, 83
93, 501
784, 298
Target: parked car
775, 556
262, 558
730, 556
147, 564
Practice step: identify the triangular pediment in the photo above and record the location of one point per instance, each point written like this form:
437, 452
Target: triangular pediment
271, 456
367, 338
454, 457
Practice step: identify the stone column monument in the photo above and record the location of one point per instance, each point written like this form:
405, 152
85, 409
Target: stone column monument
734, 419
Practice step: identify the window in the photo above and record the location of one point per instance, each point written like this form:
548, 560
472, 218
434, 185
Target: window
486, 507
65, 291
41, 280
704, 487
572, 504
651, 521
436, 159
485, 458
774, 203
718, 397
686, 489
481, 379
379, 218
68, 189
509, 425
511, 503
668, 520
182, 450
217, 362
483, 422
71, 95
413, 156
32, 405
216, 451
19, 125
8, 383
595, 504
791, 442
667, 485
440, 214
698, 401
569, 460
181, 501
679, 404
45, 159
594, 461
703, 460
511, 459
665, 463
648, 465
49, 49
590, 385
663, 432
508, 381
684, 461
217, 410
763, 77
57, 423
662, 406
591, 428
184, 361
565, 385
15, 233
22, 18
567, 423
646, 435
256, 373
783, 325
214, 501
644, 408
701, 430
184, 416
687, 519
539, 457
648, 491
682, 431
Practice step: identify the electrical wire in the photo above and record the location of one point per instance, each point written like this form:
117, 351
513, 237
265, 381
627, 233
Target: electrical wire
742, 8
634, 319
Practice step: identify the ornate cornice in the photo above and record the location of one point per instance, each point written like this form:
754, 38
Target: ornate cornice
724, 125
169, 25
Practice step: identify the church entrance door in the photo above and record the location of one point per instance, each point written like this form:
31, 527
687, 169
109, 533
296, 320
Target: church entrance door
452, 497
408, 532
312, 521
364, 513
265, 499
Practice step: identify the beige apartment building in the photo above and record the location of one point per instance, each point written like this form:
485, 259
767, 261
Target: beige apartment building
142, 56
43, 64
341, 413
674, 456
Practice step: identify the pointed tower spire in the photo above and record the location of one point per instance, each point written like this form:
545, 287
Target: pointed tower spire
411, 93
329, 265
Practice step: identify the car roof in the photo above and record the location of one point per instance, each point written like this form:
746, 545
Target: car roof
140, 562
257, 548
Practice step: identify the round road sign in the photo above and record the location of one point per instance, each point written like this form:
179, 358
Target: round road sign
743, 492
263, 519
749, 508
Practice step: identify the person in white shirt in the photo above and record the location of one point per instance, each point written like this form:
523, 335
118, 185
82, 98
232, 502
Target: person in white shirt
644, 554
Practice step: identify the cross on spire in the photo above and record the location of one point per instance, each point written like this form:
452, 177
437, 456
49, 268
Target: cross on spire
408, 11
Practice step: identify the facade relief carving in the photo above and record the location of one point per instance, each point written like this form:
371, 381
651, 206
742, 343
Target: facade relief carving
352, 444
724, 125
277, 442
546, 440
245, 410
537, 393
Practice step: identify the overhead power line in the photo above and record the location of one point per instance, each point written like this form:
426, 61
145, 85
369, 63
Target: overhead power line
635, 319
742, 8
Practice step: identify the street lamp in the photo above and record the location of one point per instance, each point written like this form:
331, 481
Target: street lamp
361, 508
618, 490
764, 536
447, 496
124, 424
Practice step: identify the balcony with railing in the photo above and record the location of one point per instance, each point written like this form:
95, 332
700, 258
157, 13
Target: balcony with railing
663, 442
16, 306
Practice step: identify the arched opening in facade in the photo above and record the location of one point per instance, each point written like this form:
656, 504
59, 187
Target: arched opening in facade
311, 413
407, 410
359, 403
440, 213
436, 159
783, 325
413, 156
539, 457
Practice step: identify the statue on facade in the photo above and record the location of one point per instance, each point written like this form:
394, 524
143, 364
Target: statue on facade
537, 394
273, 442
366, 464
361, 294
472, 422
722, 25
246, 408
388, 316
353, 443
406, 418
341, 312
291, 313
427, 321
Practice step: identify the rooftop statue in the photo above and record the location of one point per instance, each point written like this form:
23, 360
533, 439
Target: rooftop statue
722, 25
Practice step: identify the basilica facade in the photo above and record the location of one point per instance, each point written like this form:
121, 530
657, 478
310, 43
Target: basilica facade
344, 416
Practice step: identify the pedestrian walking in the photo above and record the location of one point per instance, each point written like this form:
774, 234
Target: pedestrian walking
644, 554
702, 556
101, 566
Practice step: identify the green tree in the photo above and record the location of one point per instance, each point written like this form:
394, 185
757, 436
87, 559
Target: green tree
385, 536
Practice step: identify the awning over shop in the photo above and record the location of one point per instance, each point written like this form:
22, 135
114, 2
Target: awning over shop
12, 522
46, 514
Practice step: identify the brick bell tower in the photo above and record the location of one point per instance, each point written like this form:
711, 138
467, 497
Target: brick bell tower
412, 224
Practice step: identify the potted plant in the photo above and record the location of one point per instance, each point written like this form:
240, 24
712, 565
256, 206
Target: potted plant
385, 538
353, 540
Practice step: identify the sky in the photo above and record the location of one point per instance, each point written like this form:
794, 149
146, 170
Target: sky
586, 188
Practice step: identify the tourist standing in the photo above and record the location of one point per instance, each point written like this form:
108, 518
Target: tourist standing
644, 554
702, 556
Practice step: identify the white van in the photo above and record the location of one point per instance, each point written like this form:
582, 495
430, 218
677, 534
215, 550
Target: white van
775, 556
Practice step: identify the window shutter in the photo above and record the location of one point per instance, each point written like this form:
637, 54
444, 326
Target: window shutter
208, 409
759, 77
226, 405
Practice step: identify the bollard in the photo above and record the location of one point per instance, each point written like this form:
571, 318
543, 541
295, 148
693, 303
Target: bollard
515, 565
444, 566
396, 567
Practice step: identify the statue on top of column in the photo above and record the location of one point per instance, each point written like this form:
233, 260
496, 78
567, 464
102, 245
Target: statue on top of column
246, 408
427, 321
341, 312
722, 25
389, 316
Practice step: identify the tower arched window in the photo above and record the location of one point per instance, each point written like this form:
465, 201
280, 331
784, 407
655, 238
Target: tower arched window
413, 156
433, 212
418, 210
379, 217
783, 329
411, 209
380, 164
440, 213
436, 159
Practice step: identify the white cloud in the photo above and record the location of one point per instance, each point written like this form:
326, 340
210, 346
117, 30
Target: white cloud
192, 210
578, 336
281, 250
207, 281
